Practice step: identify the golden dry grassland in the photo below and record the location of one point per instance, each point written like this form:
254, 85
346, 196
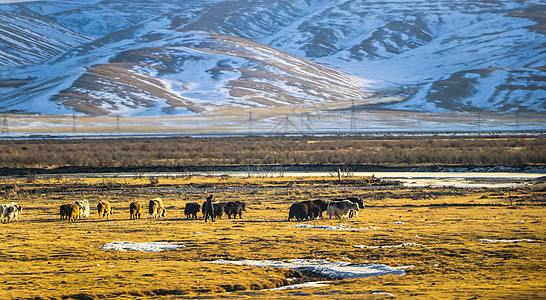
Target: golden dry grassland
42, 257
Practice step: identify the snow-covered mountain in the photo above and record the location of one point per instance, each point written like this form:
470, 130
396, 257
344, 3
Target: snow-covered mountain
29, 39
150, 57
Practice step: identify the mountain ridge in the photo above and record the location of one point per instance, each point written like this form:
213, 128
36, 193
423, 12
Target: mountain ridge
447, 56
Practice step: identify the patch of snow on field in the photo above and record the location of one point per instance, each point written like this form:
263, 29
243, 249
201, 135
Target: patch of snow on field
506, 241
301, 285
383, 294
388, 246
336, 227
340, 270
143, 247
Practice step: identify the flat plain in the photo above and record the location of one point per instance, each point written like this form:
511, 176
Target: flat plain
455, 243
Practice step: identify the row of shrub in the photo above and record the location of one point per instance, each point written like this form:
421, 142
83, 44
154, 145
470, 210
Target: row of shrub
214, 151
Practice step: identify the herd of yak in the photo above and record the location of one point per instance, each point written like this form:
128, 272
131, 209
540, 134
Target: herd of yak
304, 210
211, 210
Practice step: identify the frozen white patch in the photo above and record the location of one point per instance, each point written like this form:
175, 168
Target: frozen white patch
324, 268
505, 241
143, 247
383, 294
388, 246
340, 227
301, 285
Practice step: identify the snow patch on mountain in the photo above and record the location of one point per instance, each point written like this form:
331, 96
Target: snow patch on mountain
495, 89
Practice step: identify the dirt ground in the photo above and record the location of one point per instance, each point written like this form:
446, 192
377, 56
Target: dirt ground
455, 243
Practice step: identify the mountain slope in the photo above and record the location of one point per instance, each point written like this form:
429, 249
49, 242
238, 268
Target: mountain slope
181, 57
492, 89
194, 72
32, 39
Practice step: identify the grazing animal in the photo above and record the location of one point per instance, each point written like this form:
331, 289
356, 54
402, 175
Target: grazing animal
16, 211
192, 209
10, 211
341, 209
299, 211
105, 209
135, 208
322, 205
354, 200
64, 211
156, 208
84, 208
163, 210
313, 210
208, 209
70, 212
234, 208
218, 209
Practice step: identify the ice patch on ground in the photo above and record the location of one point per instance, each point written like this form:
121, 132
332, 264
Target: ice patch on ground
143, 247
383, 294
339, 270
388, 246
301, 285
340, 227
506, 241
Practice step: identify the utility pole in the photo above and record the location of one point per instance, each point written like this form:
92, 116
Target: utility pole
117, 123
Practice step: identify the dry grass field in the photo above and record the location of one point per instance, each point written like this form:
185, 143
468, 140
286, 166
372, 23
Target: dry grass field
183, 154
455, 243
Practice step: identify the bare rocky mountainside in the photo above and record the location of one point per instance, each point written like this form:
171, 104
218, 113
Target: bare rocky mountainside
153, 58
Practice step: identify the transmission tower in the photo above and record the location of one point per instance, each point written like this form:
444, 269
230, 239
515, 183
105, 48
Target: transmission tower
5, 129
353, 117
249, 122
287, 123
306, 121
73, 122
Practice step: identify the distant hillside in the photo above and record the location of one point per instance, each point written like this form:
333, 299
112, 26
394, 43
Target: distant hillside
30, 39
146, 58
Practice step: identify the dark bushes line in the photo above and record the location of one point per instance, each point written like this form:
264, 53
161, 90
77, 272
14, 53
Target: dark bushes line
338, 150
